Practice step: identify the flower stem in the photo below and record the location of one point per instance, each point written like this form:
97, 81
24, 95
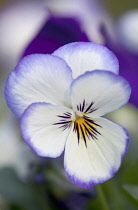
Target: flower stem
102, 197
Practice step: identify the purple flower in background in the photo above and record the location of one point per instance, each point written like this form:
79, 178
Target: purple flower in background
28, 17
60, 99
55, 33
126, 49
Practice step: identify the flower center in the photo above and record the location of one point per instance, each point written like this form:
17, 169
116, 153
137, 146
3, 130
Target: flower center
85, 128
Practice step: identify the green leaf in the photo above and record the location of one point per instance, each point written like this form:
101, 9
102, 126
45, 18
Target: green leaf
132, 190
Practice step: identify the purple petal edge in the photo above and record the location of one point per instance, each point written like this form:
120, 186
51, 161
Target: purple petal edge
90, 183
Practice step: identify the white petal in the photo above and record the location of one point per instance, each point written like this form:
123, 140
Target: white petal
38, 78
87, 56
40, 131
100, 160
101, 91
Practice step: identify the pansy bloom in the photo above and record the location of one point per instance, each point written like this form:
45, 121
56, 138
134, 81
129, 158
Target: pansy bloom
60, 99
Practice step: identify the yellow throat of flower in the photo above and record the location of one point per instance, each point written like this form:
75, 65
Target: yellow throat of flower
85, 128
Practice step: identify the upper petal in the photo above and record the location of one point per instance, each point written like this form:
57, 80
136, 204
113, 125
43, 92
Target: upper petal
98, 159
87, 56
44, 130
99, 92
38, 78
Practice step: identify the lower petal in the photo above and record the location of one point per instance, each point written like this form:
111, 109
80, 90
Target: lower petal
42, 131
96, 160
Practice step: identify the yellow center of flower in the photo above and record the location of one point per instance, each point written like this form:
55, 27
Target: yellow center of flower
85, 128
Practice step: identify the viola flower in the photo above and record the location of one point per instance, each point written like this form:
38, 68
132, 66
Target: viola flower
60, 99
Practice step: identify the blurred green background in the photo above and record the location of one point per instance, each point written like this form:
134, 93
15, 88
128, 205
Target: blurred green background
117, 7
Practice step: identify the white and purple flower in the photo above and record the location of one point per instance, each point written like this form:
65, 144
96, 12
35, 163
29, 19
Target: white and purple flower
60, 99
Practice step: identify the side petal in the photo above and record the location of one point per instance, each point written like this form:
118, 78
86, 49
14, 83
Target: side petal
87, 56
97, 160
99, 92
38, 78
42, 129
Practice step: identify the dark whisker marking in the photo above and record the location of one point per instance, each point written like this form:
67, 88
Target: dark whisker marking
96, 132
90, 126
89, 132
76, 129
66, 117
88, 108
64, 121
83, 105
78, 134
83, 134
91, 121
68, 113
91, 110
86, 130
80, 108
93, 129
64, 127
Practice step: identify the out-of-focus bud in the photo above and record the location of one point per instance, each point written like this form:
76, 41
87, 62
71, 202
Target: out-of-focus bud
19, 22
91, 14
127, 29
